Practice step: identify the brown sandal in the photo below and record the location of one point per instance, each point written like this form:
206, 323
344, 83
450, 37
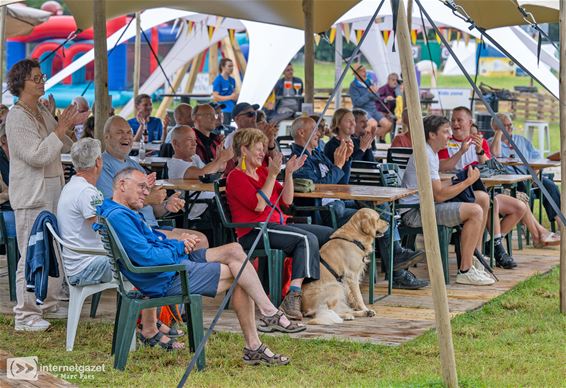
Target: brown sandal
273, 323
258, 356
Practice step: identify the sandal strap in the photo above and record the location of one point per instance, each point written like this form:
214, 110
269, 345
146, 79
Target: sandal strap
259, 354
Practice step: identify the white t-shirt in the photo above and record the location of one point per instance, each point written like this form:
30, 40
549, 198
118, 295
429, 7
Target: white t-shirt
229, 140
77, 203
177, 168
410, 176
469, 156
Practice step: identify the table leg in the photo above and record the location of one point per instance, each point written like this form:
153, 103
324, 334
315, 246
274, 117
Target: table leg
391, 241
491, 226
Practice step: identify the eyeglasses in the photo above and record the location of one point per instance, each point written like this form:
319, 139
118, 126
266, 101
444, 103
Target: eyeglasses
38, 79
249, 114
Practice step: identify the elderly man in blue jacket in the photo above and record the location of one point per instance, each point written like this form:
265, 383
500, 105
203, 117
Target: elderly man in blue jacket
362, 97
210, 271
320, 169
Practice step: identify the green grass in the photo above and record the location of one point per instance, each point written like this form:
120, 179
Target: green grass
517, 339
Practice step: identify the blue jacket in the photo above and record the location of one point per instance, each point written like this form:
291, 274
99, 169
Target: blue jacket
316, 160
362, 98
329, 150
41, 261
144, 246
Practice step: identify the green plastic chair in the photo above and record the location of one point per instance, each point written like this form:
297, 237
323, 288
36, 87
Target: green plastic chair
12, 256
390, 178
275, 257
130, 303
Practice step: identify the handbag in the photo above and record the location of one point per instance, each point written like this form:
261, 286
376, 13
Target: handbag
303, 185
467, 195
491, 168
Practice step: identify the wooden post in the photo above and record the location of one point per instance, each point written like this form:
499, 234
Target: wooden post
428, 216
309, 51
212, 62
3, 16
162, 110
229, 53
137, 56
195, 66
338, 63
102, 99
242, 64
562, 101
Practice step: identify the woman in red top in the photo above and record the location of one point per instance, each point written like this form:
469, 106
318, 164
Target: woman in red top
252, 191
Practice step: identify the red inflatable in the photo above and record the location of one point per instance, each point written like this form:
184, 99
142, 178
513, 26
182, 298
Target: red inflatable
59, 27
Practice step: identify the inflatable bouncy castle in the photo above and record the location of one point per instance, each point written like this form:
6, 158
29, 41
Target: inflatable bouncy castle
44, 41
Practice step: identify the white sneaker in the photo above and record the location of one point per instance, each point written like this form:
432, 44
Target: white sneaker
479, 267
57, 312
473, 277
419, 243
33, 324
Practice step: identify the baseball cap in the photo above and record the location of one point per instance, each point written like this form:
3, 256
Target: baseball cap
242, 106
217, 105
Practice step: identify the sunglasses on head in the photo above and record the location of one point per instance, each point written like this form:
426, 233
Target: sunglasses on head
249, 114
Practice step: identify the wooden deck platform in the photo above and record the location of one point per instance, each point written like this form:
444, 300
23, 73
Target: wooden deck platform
400, 317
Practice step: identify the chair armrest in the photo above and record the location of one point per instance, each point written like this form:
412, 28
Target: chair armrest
157, 268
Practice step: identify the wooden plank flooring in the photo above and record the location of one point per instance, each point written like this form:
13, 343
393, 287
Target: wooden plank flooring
400, 317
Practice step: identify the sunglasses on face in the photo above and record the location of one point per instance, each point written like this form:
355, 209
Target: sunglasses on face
39, 78
249, 114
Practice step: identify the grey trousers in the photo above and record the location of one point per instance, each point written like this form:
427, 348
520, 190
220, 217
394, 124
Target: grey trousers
26, 308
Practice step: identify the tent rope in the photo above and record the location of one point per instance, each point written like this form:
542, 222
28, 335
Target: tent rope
111, 51
497, 119
263, 228
158, 62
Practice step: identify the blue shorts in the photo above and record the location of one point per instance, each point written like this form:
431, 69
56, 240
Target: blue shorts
98, 271
203, 276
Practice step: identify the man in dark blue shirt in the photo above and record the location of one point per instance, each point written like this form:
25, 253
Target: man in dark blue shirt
320, 169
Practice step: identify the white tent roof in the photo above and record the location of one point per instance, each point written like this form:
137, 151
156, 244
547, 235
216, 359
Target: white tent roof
22, 19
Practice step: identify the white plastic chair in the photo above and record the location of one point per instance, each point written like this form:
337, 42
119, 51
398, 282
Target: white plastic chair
77, 294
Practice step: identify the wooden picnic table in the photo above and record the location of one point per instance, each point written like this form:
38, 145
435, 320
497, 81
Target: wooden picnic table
185, 185
539, 164
156, 162
375, 194
504, 180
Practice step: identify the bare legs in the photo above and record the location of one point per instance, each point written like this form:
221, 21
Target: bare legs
472, 218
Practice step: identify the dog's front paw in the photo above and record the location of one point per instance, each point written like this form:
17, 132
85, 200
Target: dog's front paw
349, 317
370, 313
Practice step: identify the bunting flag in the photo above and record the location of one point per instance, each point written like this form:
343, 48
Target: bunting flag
346, 29
458, 35
231, 34
437, 38
466, 39
211, 30
386, 34
191, 26
414, 36
359, 34
332, 35
316, 39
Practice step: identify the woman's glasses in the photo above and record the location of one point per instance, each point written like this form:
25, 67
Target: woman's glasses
38, 78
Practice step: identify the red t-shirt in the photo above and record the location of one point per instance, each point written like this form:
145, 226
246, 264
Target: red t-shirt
402, 140
469, 158
241, 191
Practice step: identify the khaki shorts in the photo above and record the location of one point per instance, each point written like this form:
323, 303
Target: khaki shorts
447, 214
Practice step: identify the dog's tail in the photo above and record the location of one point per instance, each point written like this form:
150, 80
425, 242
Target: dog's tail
324, 316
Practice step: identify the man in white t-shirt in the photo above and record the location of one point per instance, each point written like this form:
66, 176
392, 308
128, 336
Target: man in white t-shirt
186, 164
76, 212
470, 215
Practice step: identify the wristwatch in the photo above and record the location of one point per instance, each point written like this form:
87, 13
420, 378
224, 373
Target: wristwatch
481, 152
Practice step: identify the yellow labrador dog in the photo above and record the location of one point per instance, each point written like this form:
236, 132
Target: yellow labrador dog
336, 295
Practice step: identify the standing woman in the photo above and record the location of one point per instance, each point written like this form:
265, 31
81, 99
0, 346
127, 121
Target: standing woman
224, 89
36, 140
252, 190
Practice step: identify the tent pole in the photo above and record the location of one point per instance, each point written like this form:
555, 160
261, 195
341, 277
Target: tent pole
3, 16
562, 100
137, 56
229, 53
428, 216
162, 110
212, 62
101, 97
338, 63
193, 72
239, 56
410, 14
309, 51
